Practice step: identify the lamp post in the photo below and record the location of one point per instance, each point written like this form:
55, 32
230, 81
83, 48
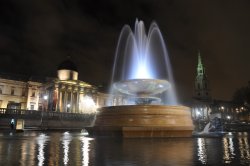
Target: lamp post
45, 102
228, 118
45, 98
68, 107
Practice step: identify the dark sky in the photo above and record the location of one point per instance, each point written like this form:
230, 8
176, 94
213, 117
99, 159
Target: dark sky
35, 36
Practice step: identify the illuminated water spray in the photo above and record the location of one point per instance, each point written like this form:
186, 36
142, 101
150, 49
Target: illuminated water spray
143, 56
87, 105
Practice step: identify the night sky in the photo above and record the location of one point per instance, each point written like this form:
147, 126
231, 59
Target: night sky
35, 36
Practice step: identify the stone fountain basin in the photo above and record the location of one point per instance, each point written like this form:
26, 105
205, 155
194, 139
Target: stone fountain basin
144, 121
142, 87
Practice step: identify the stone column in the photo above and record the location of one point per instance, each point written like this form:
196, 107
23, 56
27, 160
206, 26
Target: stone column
71, 101
60, 101
57, 98
77, 101
28, 96
65, 100
73, 108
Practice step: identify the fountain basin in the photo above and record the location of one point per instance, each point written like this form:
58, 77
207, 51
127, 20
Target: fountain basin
143, 121
142, 87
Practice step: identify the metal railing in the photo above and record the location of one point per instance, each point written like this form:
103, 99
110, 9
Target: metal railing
16, 113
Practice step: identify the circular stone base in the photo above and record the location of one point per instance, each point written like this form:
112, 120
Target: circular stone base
143, 121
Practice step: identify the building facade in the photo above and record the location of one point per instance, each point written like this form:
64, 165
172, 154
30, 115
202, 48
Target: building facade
19, 94
202, 98
204, 106
68, 94
62, 94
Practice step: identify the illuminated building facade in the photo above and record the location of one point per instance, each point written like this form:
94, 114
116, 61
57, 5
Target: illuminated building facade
201, 108
68, 94
62, 94
202, 91
204, 107
20, 93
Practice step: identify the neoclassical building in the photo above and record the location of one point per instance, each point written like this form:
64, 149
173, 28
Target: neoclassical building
62, 94
20, 93
67, 93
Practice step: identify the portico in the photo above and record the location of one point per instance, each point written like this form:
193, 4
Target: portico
67, 93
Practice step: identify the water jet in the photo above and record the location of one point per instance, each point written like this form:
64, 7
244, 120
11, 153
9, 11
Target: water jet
143, 101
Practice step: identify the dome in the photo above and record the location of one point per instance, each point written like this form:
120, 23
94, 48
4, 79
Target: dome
67, 65
67, 70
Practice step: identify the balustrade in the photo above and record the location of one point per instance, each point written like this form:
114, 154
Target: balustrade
28, 114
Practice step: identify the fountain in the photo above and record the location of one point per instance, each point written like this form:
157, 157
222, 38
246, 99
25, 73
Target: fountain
142, 101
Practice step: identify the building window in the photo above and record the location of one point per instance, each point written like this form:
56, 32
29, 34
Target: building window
32, 107
23, 91
12, 92
13, 105
1, 89
33, 94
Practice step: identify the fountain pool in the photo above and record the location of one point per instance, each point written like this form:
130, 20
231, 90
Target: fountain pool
143, 83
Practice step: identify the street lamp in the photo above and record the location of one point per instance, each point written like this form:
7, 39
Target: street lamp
45, 106
228, 118
45, 97
68, 107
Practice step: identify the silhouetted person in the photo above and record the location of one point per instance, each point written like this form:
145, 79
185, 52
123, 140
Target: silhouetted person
12, 124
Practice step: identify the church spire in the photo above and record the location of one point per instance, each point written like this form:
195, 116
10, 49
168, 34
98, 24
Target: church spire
200, 67
201, 82
199, 58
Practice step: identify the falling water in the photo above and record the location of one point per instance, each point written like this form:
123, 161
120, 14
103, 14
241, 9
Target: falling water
143, 56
